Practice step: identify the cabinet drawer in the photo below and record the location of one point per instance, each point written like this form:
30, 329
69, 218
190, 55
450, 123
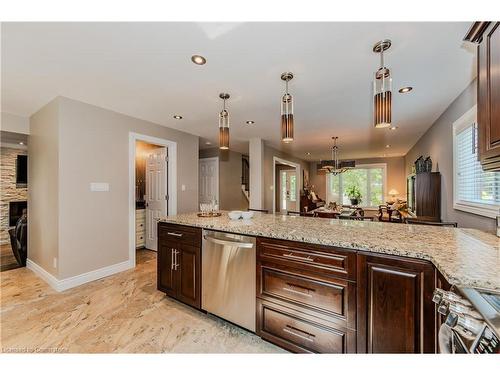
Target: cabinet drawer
330, 297
140, 239
297, 334
140, 226
140, 215
331, 260
179, 233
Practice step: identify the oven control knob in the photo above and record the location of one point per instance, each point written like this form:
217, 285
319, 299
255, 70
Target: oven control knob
437, 296
451, 320
443, 308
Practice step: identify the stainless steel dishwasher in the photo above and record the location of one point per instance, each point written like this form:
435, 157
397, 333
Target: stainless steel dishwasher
228, 277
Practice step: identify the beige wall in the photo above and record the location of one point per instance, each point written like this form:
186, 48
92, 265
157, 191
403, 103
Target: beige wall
396, 176
437, 143
230, 194
93, 146
269, 154
43, 187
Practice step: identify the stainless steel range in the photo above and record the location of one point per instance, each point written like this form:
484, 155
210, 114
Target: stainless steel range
472, 320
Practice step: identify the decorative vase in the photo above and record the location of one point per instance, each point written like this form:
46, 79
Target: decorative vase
420, 165
428, 164
354, 201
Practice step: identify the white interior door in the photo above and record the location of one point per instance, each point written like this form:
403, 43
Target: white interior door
288, 179
209, 180
156, 193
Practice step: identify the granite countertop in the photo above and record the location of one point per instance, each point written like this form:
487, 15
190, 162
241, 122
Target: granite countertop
465, 257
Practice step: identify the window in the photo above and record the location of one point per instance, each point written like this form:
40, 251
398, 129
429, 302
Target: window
475, 191
293, 188
369, 178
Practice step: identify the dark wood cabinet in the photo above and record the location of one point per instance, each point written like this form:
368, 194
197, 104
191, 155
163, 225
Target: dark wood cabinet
424, 195
179, 263
487, 36
189, 275
395, 311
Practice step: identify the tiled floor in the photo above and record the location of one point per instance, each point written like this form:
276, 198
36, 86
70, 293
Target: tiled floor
121, 313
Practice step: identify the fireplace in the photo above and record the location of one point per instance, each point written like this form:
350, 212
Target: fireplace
16, 211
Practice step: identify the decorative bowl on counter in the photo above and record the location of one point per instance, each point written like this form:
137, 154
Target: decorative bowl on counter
234, 215
246, 215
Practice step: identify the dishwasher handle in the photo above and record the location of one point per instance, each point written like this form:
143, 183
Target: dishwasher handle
218, 241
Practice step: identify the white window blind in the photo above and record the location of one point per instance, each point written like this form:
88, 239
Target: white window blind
476, 191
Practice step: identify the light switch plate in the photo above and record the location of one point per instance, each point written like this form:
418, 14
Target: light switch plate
183, 187
99, 186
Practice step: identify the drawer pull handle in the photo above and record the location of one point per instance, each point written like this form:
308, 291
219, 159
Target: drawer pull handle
306, 259
292, 288
290, 330
174, 234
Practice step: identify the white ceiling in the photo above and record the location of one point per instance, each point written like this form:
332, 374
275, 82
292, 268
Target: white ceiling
144, 70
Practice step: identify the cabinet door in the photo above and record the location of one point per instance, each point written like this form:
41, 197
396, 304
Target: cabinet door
166, 273
488, 98
395, 308
188, 275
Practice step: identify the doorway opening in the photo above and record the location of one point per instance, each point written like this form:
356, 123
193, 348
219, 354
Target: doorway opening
286, 185
209, 180
152, 189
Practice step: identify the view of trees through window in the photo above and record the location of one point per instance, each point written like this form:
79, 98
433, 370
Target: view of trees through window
369, 180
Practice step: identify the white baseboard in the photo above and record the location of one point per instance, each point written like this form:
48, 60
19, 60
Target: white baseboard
44, 275
63, 284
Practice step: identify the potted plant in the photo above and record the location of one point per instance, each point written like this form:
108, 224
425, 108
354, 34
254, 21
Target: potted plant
354, 194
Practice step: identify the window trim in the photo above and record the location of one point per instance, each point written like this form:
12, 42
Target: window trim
487, 210
383, 166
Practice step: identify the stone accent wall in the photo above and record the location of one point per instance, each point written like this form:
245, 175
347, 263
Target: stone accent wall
9, 192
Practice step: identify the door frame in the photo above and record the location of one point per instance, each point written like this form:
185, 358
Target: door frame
171, 176
215, 158
277, 160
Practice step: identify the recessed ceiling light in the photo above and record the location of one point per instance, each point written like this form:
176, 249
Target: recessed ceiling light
308, 153
21, 143
393, 127
404, 90
387, 146
208, 143
178, 117
250, 122
198, 59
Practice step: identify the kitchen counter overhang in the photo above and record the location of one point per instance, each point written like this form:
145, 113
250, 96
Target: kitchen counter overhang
465, 257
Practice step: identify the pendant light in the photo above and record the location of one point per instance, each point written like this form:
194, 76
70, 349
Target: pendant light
335, 166
224, 124
382, 100
287, 111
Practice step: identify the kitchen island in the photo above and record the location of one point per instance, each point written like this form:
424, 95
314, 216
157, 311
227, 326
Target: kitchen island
336, 285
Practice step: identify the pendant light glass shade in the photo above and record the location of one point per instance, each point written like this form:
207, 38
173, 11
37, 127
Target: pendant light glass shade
224, 125
287, 112
382, 90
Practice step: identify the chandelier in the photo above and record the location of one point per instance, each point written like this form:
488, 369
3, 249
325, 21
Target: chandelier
336, 166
